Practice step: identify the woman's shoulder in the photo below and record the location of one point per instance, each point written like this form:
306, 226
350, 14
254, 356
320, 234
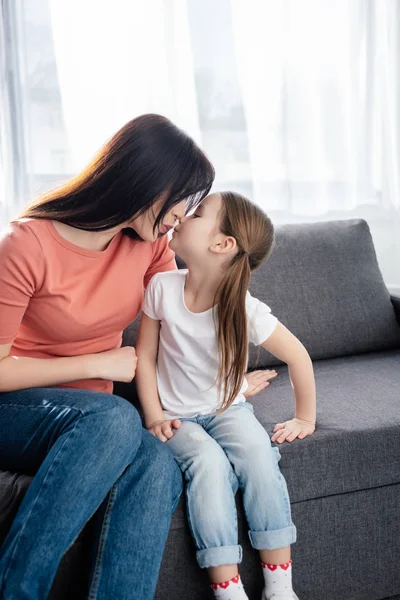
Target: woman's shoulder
21, 253
24, 233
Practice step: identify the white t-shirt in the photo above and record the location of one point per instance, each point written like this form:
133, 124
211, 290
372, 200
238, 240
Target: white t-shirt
187, 362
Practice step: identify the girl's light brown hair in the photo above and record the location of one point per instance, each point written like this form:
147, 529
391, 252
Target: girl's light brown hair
254, 234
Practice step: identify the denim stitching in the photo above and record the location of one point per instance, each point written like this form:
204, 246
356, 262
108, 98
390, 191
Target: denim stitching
194, 534
104, 531
48, 406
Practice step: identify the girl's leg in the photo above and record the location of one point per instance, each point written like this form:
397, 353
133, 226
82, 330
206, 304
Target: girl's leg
210, 488
265, 496
79, 443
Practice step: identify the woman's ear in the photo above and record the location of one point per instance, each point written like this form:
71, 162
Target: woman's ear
223, 245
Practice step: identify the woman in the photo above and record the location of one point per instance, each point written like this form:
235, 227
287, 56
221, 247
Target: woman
72, 270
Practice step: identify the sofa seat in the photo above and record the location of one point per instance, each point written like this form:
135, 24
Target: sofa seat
357, 441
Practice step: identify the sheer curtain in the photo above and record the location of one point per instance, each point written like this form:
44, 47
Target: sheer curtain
6, 150
320, 88
296, 103
120, 59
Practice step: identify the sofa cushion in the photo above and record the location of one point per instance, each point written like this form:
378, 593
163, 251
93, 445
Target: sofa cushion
323, 282
356, 444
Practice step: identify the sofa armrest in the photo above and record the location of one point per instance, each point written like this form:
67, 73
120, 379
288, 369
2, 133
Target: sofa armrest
396, 304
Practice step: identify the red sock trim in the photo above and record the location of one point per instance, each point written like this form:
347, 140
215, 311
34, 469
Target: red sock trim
284, 566
225, 584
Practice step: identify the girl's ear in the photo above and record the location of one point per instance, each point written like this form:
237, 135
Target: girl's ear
223, 245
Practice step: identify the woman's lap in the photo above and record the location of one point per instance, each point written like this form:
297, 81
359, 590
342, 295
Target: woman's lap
80, 444
31, 420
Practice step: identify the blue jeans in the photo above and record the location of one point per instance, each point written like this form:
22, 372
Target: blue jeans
218, 454
85, 449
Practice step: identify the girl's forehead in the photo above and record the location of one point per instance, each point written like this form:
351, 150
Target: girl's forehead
212, 203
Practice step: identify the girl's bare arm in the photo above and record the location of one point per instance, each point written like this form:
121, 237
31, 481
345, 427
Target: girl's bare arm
285, 346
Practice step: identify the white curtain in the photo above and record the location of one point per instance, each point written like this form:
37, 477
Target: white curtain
119, 59
6, 152
296, 102
320, 88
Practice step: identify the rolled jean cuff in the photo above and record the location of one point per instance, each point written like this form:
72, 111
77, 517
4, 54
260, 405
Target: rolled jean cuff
221, 555
272, 540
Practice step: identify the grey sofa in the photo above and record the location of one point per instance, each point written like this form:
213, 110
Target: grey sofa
323, 282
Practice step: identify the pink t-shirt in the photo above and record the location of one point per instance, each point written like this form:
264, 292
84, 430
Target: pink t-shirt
57, 299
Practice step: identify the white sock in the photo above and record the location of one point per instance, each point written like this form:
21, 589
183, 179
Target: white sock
278, 580
230, 590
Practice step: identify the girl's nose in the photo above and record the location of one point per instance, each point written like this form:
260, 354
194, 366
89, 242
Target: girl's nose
178, 222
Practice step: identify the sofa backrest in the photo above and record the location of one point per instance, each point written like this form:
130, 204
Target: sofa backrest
324, 284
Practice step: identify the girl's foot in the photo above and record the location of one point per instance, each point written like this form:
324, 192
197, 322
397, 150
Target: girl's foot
230, 590
278, 582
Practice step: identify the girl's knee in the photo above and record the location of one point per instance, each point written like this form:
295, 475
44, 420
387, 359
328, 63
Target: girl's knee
259, 457
211, 465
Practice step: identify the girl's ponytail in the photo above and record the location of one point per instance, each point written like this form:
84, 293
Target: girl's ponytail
254, 235
232, 328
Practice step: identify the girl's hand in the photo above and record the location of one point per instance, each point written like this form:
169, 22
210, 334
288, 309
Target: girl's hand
258, 381
290, 430
163, 429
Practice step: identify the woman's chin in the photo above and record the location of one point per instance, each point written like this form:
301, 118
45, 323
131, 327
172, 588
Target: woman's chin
172, 244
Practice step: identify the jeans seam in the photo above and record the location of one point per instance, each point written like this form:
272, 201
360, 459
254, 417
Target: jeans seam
36, 407
104, 531
191, 527
44, 482
175, 502
84, 412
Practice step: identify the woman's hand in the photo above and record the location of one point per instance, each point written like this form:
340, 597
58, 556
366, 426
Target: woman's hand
290, 430
163, 430
114, 365
258, 381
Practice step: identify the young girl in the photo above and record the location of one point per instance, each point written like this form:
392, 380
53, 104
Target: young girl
192, 349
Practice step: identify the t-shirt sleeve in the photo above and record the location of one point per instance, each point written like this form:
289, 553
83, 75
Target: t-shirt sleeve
261, 323
151, 299
163, 259
21, 273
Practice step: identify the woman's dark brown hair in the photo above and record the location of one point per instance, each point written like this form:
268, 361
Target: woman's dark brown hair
148, 159
254, 234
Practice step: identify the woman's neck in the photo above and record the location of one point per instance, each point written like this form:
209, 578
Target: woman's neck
90, 240
200, 289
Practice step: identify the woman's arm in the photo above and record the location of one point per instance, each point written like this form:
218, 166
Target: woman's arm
285, 346
17, 373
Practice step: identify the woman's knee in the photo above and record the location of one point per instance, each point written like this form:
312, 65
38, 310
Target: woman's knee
161, 463
116, 420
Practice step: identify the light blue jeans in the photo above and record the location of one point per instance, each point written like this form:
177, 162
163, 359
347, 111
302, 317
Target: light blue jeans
217, 454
